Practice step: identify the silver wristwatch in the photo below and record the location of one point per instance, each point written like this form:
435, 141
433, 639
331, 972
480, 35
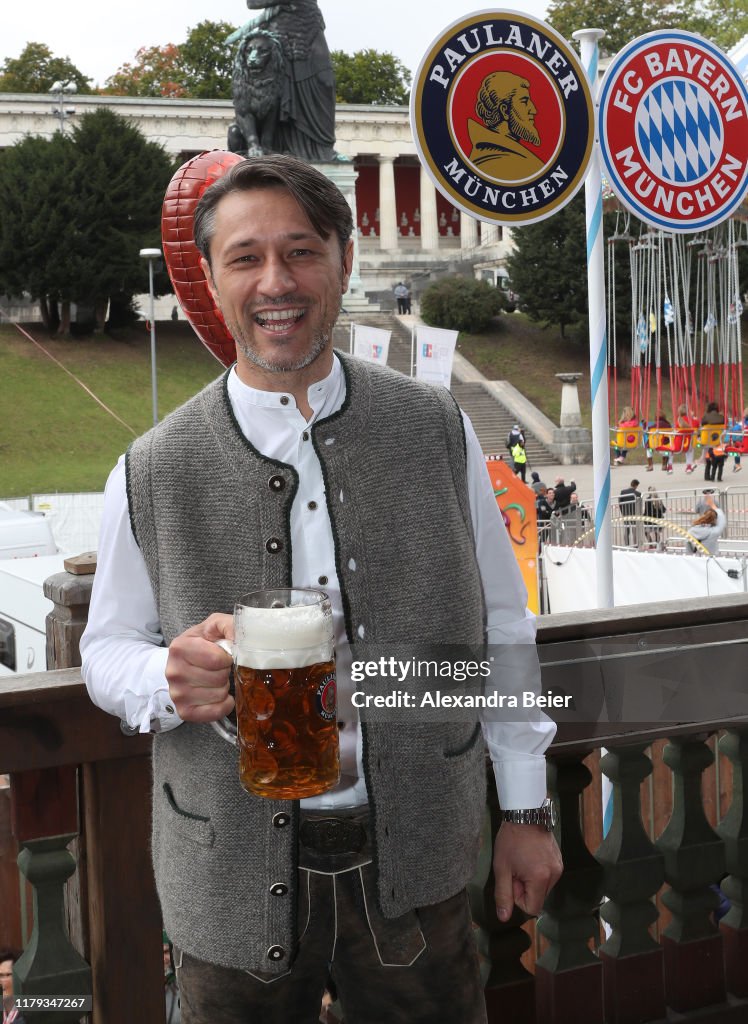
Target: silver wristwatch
544, 815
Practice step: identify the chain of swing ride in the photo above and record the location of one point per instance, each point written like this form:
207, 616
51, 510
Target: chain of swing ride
684, 323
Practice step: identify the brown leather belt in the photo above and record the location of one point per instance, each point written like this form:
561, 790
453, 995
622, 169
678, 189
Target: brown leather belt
333, 834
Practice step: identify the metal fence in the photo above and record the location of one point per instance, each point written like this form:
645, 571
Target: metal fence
633, 528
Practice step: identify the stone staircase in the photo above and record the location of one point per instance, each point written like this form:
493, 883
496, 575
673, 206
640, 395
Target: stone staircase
492, 420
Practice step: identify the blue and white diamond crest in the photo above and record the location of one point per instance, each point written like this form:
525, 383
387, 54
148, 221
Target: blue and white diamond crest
679, 131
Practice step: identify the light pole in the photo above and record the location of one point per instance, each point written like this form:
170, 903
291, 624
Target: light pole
151, 255
60, 91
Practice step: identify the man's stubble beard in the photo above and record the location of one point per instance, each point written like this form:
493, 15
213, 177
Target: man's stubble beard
319, 342
524, 130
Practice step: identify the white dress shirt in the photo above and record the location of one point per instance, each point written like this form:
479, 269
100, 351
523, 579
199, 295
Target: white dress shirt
124, 659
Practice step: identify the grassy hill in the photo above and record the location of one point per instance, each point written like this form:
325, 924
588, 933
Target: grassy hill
53, 435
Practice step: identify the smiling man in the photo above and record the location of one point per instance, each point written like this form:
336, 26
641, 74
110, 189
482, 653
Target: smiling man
306, 467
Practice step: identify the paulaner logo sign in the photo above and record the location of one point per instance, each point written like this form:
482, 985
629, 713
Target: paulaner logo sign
502, 117
673, 128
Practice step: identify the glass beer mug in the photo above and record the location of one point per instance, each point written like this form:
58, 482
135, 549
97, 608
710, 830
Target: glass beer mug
286, 706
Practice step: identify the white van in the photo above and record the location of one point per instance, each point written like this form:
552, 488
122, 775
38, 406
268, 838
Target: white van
28, 555
24, 534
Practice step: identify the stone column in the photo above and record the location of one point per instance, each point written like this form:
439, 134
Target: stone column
387, 207
489, 234
429, 222
468, 231
571, 414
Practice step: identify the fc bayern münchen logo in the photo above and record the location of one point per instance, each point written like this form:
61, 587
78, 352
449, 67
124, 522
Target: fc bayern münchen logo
502, 117
673, 128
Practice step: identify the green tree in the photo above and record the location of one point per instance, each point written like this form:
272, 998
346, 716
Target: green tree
548, 267
199, 67
33, 228
369, 76
723, 21
83, 208
461, 304
35, 70
207, 62
156, 71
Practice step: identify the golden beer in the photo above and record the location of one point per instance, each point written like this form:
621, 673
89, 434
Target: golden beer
286, 700
288, 730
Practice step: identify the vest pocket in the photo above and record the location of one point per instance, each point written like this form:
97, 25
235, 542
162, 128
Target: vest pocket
461, 748
195, 827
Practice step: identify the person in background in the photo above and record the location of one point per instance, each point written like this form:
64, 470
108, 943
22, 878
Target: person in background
627, 507
627, 420
536, 483
738, 433
515, 434
519, 457
401, 294
684, 426
708, 527
8, 957
711, 417
654, 508
563, 493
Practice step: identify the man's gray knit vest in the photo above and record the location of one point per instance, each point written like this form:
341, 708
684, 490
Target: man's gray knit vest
212, 518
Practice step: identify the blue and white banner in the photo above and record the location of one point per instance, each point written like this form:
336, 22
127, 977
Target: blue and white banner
370, 343
435, 349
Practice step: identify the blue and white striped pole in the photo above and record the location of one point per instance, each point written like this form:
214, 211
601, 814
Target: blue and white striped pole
588, 39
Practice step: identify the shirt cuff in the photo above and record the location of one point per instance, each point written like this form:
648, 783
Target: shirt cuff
160, 713
521, 783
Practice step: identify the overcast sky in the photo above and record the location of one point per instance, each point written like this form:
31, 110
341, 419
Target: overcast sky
99, 37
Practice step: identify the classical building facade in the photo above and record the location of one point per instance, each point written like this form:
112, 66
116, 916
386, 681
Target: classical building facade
406, 228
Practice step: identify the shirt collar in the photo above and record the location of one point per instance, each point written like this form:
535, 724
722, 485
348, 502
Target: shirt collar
324, 395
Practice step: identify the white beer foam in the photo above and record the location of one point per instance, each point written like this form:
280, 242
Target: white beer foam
293, 637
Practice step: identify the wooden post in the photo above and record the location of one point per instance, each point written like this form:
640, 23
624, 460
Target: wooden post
124, 914
568, 976
734, 830
44, 808
70, 592
632, 960
694, 861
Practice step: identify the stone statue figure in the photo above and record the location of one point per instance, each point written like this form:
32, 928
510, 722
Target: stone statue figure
294, 93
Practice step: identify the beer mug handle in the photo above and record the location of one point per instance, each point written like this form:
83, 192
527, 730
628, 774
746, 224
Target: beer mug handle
225, 728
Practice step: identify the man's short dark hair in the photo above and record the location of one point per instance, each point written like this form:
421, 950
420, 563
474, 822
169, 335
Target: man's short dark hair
8, 953
321, 200
634, 483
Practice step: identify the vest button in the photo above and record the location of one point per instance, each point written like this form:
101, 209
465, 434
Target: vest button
274, 545
276, 953
284, 400
281, 819
278, 889
312, 506
323, 580
305, 436
276, 483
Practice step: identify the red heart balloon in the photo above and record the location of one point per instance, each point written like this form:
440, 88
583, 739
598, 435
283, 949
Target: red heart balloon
182, 255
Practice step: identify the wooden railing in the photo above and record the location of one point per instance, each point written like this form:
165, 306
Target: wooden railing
77, 783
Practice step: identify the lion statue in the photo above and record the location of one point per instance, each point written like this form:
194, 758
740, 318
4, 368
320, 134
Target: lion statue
256, 89
305, 119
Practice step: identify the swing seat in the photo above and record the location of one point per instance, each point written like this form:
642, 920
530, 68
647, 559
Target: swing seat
675, 441
664, 441
711, 434
736, 442
625, 437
